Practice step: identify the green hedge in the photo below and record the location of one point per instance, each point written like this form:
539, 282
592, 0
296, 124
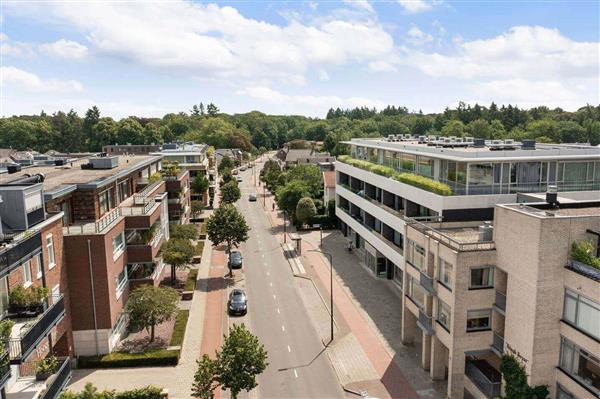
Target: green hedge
91, 392
154, 357
190, 282
199, 248
179, 328
422, 182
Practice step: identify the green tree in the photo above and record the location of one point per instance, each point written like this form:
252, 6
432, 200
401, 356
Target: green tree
212, 109
310, 175
230, 193
148, 306
241, 359
183, 231
178, 253
305, 210
226, 177
480, 128
227, 226
454, 128
197, 207
226, 163
289, 195
200, 184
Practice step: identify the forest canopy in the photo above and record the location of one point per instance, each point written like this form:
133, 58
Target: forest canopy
250, 131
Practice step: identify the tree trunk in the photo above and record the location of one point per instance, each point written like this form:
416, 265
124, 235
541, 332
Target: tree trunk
152, 333
229, 260
173, 276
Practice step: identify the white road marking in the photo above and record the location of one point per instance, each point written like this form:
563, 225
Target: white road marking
295, 373
282, 327
263, 255
289, 349
274, 297
270, 284
268, 274
278, 312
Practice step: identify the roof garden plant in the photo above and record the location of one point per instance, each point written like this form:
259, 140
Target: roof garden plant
583, 251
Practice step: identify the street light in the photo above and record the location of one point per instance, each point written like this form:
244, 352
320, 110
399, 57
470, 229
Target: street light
284, 226
330, 258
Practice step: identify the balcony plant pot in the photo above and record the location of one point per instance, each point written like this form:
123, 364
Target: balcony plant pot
42, 376
45, 368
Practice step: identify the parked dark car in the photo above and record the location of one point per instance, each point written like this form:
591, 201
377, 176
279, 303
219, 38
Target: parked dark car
235, 259
252, 197
238, 303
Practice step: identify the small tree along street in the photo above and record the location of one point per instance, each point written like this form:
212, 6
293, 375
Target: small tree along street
226, 163
227, 226
183, 231
241, 359
305, 210
148, 306
178, 253
200, 184
230, 193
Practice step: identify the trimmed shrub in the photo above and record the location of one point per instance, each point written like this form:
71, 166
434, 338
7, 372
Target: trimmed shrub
154, 357
199, 248
190, 283
424, 182
91, 392
179, 328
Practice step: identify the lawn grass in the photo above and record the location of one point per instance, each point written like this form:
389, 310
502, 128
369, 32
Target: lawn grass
190, 283
153, 357
179, 328
199, 248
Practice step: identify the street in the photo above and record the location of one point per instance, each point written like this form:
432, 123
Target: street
298, 366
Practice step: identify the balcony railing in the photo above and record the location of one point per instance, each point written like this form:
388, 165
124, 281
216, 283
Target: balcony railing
485, 377
427, 283
139, 210
21, 347
60, 380
18, 246
448, 241
500, 301
95, 227
583, 269
498, 343
425, 323
141, 197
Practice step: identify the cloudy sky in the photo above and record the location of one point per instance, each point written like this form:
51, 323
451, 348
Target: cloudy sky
295, 57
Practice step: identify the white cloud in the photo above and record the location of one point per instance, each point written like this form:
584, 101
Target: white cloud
207, 40
63, 48
310, 104
381, 66
416, 6
14, 77
14, 49
360, 4
416, 36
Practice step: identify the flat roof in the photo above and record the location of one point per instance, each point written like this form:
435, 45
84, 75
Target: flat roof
591, 209
485, 154
61, 179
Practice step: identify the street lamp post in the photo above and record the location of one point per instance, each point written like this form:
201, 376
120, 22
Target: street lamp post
284, 226
330, 258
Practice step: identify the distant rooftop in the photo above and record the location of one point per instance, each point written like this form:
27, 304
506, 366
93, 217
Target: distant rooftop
464, 149
544, 210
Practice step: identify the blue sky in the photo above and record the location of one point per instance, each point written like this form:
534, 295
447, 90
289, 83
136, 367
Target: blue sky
295, 57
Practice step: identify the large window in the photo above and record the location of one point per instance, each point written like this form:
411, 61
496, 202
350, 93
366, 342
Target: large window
415, 255
50, 250
408, 162
479, 320
582, 313
38, 266
121, 282
3, 295
445, 273
425, 166
481, 174
118, 244
443, 314
481, 277
27, 273
123, 190
580, 364
105, 198
398, 275
416, 292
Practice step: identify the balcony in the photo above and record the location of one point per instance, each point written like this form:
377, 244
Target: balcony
26, 387
425, 323
140, 274
97, 227
380, 236
427, 283
484, 376
144, 253
584, 270
18, 246
4, 369
498, 344
500, 302
56, 383
34, 330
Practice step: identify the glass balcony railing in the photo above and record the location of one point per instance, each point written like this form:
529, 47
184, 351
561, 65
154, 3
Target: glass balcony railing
498, 343
485, 377
500, 301
425, 322
35, 330
427, 282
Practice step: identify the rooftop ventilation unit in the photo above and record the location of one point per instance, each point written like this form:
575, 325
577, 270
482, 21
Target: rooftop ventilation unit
509, 144
169, 146
104, 162
552, 196
479, 143
422, 139
528, 144
496, 145
486, 232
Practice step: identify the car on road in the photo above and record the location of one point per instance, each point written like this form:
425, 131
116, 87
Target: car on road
238, 303
243, 168
235, 260
252, 197
239, 179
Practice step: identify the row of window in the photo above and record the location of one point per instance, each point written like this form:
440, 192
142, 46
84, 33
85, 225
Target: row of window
582, 313
580, 364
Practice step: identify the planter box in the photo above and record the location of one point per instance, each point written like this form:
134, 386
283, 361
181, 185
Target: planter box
196, 259
187, 295
42, 376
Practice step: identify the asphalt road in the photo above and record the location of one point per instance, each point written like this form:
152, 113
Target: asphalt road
298, 365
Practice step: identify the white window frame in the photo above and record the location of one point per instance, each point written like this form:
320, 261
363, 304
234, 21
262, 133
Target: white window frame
27, 275
476, 329
40, 266
490, 278
55, 293
120, 285
50, 250
117, 252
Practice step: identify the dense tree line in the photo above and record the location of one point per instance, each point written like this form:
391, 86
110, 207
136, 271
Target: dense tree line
254, 130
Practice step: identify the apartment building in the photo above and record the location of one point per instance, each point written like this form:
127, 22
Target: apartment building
193, 159
130, 149
34, 291
454, 271
115, 219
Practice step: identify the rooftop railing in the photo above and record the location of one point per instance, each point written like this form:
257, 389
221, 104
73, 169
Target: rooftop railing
439, 236
95, 227
142, 196
17, 246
